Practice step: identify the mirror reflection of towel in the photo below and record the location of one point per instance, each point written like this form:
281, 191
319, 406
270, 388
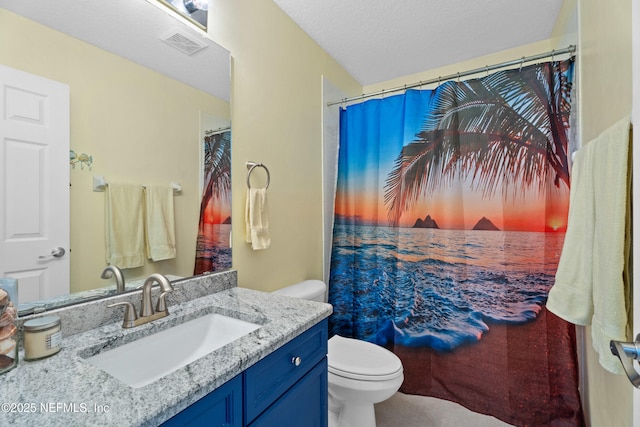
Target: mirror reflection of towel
257, 219
124, 225
160, 223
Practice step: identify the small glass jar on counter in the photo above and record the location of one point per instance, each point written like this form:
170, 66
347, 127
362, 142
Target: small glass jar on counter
42, 337
8, 333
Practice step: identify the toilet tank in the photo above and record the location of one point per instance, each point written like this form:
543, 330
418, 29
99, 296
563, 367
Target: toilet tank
313, 290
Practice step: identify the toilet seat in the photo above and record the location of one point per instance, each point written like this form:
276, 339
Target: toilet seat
361, 360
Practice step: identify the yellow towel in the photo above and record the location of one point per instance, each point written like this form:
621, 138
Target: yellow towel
589, 286
124, 226
160, 223
257, 219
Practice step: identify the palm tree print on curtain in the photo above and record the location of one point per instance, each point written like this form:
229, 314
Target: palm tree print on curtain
450, 215
213, 251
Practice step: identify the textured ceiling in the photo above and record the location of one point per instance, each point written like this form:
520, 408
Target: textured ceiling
374, 40
133, 30
379, 40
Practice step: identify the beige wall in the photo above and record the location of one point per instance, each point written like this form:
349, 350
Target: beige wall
134, 122
605, 97
277, 120
605, 64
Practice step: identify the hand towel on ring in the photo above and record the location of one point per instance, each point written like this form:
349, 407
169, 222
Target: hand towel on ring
257, 219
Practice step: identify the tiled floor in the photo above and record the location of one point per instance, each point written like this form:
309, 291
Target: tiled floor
404, 410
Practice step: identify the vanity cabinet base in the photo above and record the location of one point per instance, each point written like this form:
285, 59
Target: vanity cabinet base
287, 388
222, 407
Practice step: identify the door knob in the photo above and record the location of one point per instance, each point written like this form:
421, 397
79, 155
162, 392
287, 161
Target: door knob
55, 252
627, 352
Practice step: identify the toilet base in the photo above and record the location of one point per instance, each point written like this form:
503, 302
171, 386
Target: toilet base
333, 419
357, 415
354, 414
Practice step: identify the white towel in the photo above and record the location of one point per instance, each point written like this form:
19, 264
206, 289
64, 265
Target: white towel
257, 219
124, 227
589, 286
160, 223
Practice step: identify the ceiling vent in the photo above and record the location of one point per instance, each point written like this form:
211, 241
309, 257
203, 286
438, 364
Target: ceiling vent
183, 42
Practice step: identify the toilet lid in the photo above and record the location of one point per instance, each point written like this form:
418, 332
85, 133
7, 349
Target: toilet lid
363, 360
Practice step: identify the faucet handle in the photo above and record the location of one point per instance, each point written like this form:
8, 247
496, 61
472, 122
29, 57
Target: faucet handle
130, 315
162, 304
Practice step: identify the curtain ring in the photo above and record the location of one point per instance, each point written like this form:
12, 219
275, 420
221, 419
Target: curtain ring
487, 70
552, 55
521, 63
439, 78
458, 76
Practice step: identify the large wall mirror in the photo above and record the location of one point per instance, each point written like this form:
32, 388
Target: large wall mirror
146, 89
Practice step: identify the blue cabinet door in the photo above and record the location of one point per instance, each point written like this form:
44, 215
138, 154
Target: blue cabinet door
222, 407
304, 404
270, 378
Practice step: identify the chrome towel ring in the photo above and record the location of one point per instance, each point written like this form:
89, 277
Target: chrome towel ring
251, 166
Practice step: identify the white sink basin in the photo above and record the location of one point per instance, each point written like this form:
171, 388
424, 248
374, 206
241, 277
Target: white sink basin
148, 359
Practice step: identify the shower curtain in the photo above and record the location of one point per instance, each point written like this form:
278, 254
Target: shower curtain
450, 214
213, 249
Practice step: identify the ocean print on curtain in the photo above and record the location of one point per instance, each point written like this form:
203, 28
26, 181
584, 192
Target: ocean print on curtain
213, 250
450, 215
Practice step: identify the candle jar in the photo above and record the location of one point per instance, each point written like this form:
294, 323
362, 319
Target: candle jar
42, 337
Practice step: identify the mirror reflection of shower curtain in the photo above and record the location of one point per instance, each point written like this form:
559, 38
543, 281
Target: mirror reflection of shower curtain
213, 249
450, 214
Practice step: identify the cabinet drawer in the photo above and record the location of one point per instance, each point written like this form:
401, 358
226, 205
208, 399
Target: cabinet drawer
275, 374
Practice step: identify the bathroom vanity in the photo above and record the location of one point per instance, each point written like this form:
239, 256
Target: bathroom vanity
277, 372
286, 388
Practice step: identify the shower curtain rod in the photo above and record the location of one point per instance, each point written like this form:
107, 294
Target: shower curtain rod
219, 130
570, 49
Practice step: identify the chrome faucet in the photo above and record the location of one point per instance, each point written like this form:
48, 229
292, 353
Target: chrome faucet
114, 271
147, 314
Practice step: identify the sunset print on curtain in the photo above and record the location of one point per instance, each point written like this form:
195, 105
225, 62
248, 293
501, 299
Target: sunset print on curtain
450, 215
213, 250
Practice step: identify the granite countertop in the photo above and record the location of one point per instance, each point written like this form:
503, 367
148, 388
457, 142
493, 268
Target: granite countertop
66, 390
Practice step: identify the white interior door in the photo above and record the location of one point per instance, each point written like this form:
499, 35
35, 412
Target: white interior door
34, 184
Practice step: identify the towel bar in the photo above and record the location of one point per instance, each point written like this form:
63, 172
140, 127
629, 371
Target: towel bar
251, 166
100, 184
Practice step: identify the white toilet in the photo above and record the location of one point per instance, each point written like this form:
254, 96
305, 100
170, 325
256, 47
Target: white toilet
360, 373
